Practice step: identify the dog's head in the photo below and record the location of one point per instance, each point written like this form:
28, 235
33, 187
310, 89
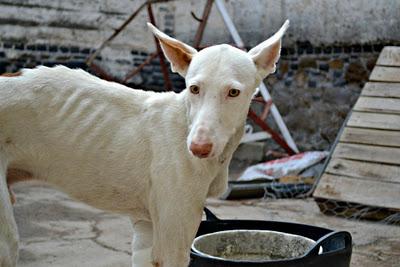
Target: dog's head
220, 82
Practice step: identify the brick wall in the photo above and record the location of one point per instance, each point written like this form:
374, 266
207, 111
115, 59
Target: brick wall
14, 56
45, 32
317, 80
315, 87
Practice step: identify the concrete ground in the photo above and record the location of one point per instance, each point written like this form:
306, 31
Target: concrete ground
58, 231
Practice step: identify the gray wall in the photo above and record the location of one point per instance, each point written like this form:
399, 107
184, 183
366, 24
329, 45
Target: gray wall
329, 50
87, 22
317, 21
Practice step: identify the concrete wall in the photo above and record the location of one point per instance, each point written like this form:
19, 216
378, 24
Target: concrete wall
78, 22
328, 51
78, 25
88, 22
317, 21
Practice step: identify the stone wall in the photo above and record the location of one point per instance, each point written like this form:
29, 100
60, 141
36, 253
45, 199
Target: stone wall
328, 51
314, 88
45, 32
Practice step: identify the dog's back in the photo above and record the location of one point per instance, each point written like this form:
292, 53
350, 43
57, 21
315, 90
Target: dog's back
47, 107
72, 129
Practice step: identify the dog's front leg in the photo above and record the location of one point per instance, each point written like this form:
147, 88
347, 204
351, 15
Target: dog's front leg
176, 214
142, 244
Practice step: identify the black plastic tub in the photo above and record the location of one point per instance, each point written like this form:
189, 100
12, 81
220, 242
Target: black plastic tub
336, 246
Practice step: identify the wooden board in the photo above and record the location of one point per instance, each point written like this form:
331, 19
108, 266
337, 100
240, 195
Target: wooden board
381, 89
367, 192
385, 74
371, 137
390, 56
380, 154
364, 170
378, 104
374, 121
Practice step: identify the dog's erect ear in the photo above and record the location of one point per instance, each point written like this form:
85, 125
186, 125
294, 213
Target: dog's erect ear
177, 52
266, 54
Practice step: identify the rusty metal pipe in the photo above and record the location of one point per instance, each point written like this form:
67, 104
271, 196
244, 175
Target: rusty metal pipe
168, 84
277, 138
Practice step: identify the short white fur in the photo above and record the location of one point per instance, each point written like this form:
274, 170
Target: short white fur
128, 150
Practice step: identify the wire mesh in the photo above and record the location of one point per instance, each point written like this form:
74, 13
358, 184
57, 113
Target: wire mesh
344, 209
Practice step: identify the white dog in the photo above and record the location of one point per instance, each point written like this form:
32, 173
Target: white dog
154, 156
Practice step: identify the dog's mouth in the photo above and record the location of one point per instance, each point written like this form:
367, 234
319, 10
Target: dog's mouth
202, 156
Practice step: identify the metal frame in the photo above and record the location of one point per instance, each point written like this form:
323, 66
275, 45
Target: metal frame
263, 89
102, 73
286, 143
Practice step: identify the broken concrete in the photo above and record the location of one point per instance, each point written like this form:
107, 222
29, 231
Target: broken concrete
58, 231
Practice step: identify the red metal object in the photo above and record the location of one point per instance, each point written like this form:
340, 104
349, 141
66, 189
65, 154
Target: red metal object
203, 23
259, 100
168, 84
119, 30
140, 67
277, 138
266, 110
102, 73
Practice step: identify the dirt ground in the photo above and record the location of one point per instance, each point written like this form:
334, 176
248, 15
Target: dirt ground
58, 231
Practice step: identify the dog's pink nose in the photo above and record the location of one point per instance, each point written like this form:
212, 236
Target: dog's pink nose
201, 150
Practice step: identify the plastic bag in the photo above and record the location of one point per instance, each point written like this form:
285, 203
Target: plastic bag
292, 165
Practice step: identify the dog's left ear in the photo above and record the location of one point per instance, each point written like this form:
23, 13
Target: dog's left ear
266, 54
177, 52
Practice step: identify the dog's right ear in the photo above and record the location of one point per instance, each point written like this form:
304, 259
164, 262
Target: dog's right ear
177, 52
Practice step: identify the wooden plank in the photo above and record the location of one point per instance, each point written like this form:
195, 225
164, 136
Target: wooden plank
378, 104
367, 192
385, 74
364, 170
374, 120
381, 89
390, 56
369, 153
365, 165
370, 136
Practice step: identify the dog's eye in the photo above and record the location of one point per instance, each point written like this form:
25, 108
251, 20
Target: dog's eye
234, 92
194, 89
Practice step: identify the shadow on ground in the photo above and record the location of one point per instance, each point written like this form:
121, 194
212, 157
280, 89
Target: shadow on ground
58, 231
